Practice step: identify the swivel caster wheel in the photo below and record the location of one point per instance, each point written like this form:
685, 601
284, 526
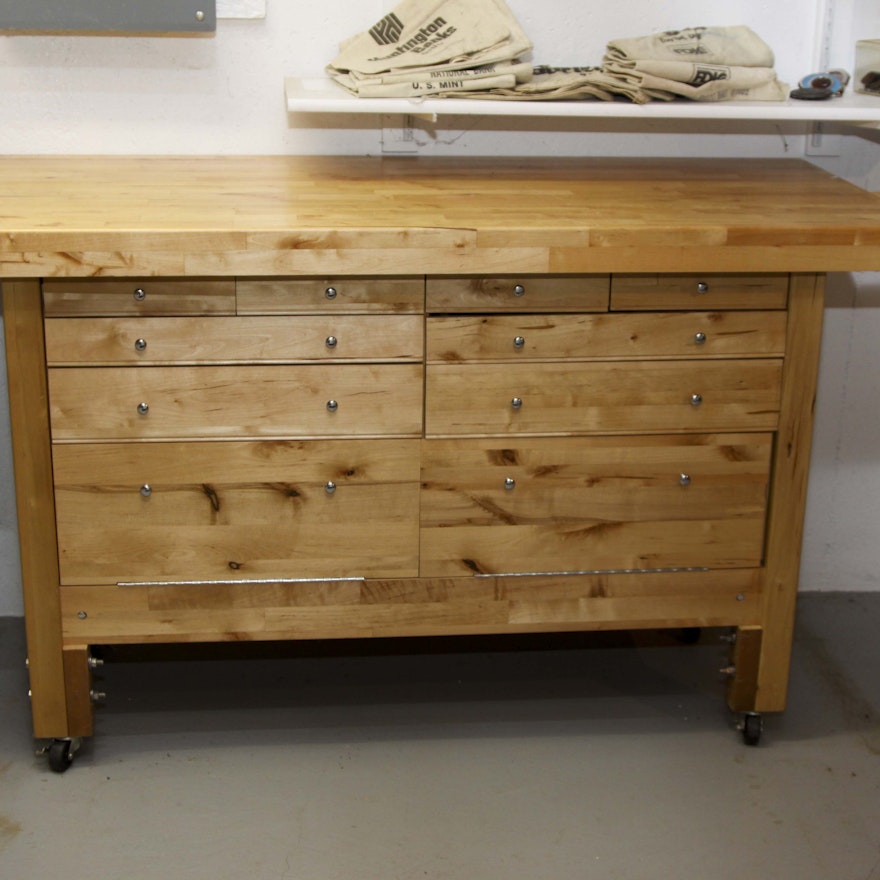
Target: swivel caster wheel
60, 753
752, 728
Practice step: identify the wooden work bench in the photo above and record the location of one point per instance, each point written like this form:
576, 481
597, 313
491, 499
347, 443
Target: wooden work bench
266, 398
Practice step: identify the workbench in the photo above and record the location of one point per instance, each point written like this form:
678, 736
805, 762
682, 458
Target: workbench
278, 398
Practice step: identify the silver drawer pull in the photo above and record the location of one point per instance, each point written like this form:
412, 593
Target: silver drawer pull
332, 406
140, 345
331, 342
519, 342
685, 480
143, 408
146, 490
702, 287
139, 294
516, 403
700, 337
510, 483
519, 290
330, 487
696, 399
330, 293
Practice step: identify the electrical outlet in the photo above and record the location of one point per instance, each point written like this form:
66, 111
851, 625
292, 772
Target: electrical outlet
241, 8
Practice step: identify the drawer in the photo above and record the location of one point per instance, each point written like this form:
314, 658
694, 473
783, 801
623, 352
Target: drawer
290, 296
148, 403
593, 503
602, 397
660, 334
233, 339
136, 512
138, 296
707, 291
518, 293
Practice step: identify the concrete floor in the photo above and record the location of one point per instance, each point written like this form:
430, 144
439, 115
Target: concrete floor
570, 758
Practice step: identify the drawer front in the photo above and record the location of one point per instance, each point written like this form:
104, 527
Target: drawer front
593, 504
233, 339
143, 512
664, 334
138, 296
106, 403
291, 296
602, 397
658, 292
517, 293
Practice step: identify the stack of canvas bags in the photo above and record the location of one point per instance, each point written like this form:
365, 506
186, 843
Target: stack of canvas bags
701, 63
435, 47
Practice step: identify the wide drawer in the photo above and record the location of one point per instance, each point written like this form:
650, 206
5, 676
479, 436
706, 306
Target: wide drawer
289, 296
233, 339
136, 512
138, 296
518, 293
602, 397
691, 291
664, 334
593, 503
107, 403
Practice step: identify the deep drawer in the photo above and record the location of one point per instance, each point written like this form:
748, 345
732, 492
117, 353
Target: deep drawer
233, 339
707, 291
136, 512
514, 293
555, 336
148, 403
289, 296
593, 504
602, 397
138, 296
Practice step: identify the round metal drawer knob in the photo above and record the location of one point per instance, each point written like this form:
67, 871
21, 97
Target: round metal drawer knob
330, 293
146, 490
519, 290
516, 403
702, 287
330, 487
519, 342
685, 479
699, 338
143, 408
509, 483
139, 294
331, 342
696, 399
332, 406
140, 345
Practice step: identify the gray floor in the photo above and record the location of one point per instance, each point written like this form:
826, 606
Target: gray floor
574, 758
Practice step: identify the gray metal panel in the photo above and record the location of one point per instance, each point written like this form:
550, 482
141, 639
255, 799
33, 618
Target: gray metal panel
121, 16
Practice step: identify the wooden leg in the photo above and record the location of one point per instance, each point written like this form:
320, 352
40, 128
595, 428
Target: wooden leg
78, 691
789, 489
29, 413
745, 658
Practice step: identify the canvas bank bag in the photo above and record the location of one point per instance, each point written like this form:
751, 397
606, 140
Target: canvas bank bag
425, 39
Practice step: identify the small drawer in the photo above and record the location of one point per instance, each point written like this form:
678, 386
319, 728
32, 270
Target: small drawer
602, 397
707, 291
292, 296
518, 293
546, 505
230, 511
249, 339
559, 336
138, 296
151, 403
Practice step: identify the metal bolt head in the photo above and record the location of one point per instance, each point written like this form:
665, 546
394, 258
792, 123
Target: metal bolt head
330, 293
699, 337
139, 294
332, 406
143, 408
330, 487
685, 480
519, 342
200, 16
331, 342
146, 490
702, 287
696, 399
509, 483
140, 345
82, 615
516, 403
519, 290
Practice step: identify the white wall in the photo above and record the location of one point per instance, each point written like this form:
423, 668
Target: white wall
225, 95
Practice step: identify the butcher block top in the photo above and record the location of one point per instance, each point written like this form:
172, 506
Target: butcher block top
272, 215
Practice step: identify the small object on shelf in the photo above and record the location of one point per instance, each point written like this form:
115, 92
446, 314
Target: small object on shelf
819, 86
867, 72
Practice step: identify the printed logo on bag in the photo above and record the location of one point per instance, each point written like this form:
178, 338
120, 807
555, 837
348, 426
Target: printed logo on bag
703, 75
388, 30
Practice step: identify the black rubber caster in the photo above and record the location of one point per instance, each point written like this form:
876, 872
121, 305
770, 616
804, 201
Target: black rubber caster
60, 753
752, 728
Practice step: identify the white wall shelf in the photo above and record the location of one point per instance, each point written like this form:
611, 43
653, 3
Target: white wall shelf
322, 95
